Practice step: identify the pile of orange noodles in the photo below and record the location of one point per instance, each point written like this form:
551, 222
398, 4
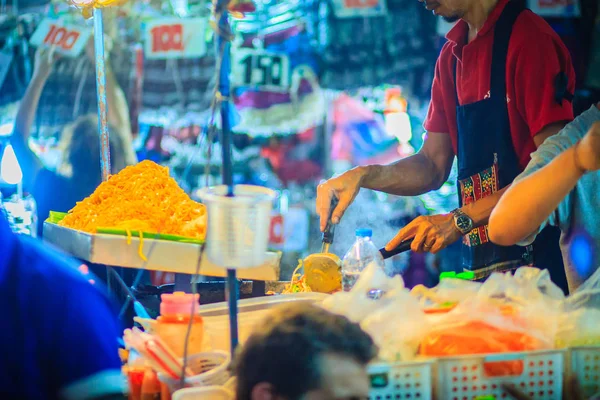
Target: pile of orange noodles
143, 198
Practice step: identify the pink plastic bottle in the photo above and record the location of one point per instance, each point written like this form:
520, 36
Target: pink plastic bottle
175, 316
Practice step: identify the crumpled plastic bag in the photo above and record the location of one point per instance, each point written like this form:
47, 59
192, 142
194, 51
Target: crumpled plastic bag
446, 294
395, 321
508, 314
579, 325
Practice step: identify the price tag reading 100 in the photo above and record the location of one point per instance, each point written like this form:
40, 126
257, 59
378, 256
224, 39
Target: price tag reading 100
262, 69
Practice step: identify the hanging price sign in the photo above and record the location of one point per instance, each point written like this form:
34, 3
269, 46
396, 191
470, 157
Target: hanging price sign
556, 8
175, 38
276, 232
68, 40
358, 8
261, 69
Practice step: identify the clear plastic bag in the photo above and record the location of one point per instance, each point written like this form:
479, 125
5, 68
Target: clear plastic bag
395, 321
508, 314
446, 294
579, 325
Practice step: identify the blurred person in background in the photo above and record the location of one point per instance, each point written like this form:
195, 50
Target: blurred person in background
560, 187
79, 173
303, 352
503, 84
59, 332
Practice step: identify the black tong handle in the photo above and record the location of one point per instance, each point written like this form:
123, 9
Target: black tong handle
402, 247
330, 228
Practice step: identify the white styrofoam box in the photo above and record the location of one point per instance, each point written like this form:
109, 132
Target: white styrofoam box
464, 378
403, 380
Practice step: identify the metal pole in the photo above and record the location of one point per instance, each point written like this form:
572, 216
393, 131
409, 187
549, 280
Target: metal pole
231, 290
101, 94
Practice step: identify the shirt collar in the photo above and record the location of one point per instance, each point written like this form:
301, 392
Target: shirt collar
458, 34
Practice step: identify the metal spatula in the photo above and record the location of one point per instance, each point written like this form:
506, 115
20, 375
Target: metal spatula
323, 270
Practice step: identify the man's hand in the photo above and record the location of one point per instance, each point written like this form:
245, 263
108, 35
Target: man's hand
429, 233
44, 61
587, 152
345, 187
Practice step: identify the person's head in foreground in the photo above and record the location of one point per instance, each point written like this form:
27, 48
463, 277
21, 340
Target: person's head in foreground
303, 352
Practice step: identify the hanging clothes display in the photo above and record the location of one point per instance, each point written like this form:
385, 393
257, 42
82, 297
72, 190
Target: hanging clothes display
290, 101
370, 51
360, 136
70, 91
177, 88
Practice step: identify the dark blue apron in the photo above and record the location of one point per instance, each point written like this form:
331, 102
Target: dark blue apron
487, 161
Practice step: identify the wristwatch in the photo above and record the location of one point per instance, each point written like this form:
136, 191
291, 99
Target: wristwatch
462, 221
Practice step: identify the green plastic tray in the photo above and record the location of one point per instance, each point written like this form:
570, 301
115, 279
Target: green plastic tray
55, 217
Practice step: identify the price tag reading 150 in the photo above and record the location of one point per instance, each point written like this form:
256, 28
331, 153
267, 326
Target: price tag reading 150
261, 68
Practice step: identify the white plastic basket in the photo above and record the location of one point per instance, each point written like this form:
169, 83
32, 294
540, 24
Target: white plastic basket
238, 227
210, 369
464, 377
409, 380
584, 364
206, 393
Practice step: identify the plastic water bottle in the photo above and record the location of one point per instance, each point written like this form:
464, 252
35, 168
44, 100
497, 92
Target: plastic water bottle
362, 253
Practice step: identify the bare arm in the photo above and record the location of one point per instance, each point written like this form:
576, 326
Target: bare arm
436, 232
118, 109
481, 210
118, 115
425, 171
422, 172
28, 160
539, 194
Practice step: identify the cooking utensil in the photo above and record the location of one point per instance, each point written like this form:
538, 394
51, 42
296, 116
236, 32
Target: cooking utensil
323, 270
402, 247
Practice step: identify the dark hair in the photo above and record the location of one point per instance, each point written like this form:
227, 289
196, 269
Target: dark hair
81, 146
285, 351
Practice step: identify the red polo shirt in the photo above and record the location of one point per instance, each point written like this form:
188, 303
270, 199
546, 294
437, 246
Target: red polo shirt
535, 56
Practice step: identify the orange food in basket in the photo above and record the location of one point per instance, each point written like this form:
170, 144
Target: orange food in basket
143, 198
477, 337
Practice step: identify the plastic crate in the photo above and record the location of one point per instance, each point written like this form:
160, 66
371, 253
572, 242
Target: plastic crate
410, 380
584, 363
465, 378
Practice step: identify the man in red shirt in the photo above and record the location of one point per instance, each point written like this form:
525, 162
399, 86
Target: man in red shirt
502, 86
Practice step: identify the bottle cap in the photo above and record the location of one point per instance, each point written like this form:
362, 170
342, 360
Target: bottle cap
364, 232
178, 303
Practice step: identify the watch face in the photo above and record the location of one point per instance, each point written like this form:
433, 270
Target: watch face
464, 223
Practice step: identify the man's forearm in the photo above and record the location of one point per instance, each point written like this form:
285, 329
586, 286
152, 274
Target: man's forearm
481, 210
533, 199
410, 176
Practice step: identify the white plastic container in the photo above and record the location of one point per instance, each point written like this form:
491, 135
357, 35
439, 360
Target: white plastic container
238, 227
403, 380
464, 377
584, 364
